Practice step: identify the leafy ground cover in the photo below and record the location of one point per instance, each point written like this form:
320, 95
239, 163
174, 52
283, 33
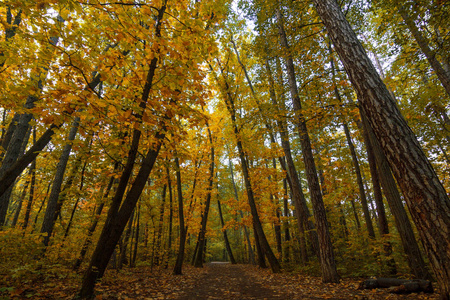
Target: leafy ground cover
215, 281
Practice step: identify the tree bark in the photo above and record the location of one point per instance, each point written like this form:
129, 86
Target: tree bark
32, 187
124, 244
404, 228
425, 196
287, 235
158, 255
327, 262
20, 131
115, 223
382, 219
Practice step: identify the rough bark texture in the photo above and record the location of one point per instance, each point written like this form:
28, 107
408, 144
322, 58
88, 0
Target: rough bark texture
327, 262
425, 196
382, 219
404, 228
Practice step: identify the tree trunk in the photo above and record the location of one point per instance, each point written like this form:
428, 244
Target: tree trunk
382, 219
177, 270
32, 186
287, 235
404, 228
198, 263
49, 217
119, 212
259, 232
362, 193
225, 235
425, 196
94, 221
246, 233
133, 254
327, 262
124, 244
20, 131
169, 243
116, 221
303, 215
158, 255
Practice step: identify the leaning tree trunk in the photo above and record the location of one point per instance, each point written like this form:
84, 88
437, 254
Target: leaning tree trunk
425, 196
327, 262
18, 136
120, 211
94, 221
302, 213
116, 221
382, 219
410, 246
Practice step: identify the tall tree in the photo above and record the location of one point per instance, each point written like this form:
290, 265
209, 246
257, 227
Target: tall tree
425, 196
327, 262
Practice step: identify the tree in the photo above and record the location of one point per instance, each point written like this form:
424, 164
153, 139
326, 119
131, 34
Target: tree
328, 264
425, 196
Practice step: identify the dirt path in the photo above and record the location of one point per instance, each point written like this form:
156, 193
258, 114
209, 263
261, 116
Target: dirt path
214, 281
226, 281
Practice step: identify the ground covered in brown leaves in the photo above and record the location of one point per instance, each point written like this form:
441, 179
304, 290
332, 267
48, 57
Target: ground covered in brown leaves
214, 281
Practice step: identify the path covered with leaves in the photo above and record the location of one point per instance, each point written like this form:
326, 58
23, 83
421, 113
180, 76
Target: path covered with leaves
214, 281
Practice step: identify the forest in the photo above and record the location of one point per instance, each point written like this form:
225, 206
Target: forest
304, 137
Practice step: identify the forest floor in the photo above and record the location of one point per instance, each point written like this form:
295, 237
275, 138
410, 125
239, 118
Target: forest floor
214, 281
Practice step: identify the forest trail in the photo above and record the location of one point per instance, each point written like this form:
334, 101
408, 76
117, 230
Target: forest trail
227, 281
213, 281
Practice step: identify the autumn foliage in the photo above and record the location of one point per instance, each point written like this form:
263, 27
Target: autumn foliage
125, 119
